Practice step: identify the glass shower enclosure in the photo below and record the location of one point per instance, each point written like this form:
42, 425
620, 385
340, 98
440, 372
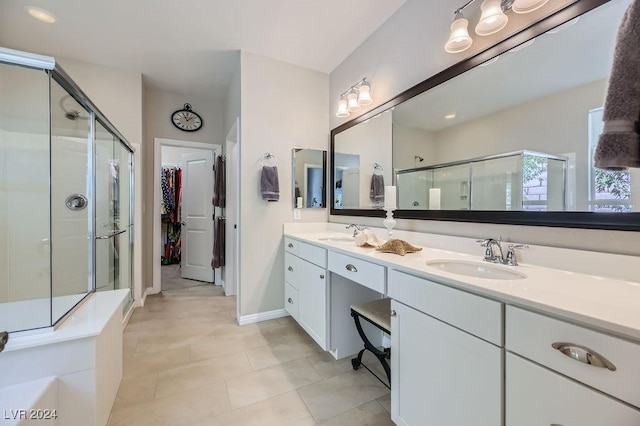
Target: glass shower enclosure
512, 181
66, 188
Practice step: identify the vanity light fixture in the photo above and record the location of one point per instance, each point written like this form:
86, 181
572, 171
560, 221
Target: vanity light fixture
492, 20
450, 116
353, 98
40, 14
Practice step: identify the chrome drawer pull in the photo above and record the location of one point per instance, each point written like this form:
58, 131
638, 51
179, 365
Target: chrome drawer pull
393, 313
290, 269
290, 300
290, 245
322, 277
351, 268
583, 354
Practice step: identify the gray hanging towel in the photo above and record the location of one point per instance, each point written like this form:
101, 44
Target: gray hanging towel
619, 143
219, 197
269, 186
376, 193
219, 244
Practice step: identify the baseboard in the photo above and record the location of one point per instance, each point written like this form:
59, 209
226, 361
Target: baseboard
262, 316
127, 316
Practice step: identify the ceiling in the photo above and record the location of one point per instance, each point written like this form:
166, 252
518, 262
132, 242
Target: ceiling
579, 53
189, 46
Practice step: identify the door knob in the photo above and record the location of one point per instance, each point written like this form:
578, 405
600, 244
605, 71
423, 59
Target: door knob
183, 223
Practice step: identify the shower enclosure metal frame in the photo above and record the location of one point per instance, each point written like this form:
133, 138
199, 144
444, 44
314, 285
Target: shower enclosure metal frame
521, 153
59, 75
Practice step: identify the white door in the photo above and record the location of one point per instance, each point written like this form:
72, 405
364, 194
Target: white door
312, 301
442, 375
197, 216
351, 188
232, 243
536, 396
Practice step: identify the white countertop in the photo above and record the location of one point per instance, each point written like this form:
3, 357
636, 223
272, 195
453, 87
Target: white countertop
87, 321
607, 304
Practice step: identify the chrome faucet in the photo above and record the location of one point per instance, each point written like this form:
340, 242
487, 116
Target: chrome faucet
490, 254
356, 228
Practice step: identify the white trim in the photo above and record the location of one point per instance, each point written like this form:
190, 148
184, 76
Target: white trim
262, 316
158, 143
127, 316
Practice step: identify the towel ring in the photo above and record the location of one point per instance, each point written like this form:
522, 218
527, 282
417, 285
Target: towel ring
378, 169
267, 157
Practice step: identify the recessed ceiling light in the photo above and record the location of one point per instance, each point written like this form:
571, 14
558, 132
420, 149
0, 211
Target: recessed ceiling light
450, 116
41, 14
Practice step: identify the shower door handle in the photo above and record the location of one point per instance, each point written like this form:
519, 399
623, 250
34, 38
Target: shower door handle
111, 235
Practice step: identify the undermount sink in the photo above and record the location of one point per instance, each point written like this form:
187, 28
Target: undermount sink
338, 239
476, 269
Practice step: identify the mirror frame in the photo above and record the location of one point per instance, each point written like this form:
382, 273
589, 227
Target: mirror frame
571, 219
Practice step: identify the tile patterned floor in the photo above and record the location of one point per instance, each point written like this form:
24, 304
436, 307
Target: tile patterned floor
186, 362
171, 279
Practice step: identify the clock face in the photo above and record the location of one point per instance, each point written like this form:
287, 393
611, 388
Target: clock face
186, 120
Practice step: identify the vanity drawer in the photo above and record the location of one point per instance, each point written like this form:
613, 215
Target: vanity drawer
291, 245
366, 273
474, 314
531, 336
291, 269
313, 254
291, 300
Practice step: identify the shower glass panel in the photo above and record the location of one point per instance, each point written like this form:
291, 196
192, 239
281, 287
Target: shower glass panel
113, 211
25, 262
70, 194
520, 181
65, 196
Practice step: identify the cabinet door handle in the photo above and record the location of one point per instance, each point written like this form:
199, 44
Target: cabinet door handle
290, 300
351, 268
322, 277
394, 313
290, 269
583, 354
290, 245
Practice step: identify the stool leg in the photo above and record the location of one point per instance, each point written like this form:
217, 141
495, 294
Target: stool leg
357, 361
381, 355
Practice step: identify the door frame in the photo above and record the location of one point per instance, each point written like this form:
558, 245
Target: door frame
232, 151
158, 143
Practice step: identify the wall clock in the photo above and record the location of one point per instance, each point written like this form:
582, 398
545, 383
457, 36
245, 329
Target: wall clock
186, 119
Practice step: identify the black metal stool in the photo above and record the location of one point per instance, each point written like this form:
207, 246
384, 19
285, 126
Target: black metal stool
377, 313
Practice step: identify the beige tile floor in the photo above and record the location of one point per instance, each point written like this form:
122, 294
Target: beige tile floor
186, 362
171, 279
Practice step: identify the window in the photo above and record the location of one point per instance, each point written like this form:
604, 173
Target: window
609, 191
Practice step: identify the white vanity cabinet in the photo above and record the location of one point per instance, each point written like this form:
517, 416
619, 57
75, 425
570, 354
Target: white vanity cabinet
305, 290
546, 386
446, 359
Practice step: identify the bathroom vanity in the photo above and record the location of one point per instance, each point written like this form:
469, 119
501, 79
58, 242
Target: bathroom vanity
476, 343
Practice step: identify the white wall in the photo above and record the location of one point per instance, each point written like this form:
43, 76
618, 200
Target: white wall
158, 109
414, 142
232, 98
283, 106
116, 92
406, 50
409, 47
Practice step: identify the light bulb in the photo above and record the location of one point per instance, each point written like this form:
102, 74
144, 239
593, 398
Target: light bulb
492, 19
526, 6
342, 108
352, 101
364, 94
459, 40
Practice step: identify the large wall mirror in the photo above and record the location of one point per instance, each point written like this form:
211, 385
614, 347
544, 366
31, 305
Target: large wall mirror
507, 136
309, 177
